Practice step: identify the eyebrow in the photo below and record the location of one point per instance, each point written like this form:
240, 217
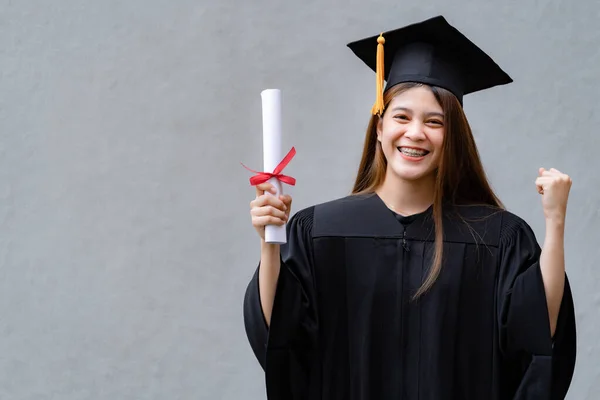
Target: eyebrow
429, 114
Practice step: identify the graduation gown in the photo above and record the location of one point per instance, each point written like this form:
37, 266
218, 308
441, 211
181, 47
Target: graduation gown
345, 325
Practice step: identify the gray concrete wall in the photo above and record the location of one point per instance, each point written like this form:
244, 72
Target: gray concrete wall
125, 240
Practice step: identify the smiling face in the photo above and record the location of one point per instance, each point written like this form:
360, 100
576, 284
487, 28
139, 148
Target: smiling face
411, 133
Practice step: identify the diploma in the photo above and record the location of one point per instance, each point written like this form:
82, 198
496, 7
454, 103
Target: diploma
271, 118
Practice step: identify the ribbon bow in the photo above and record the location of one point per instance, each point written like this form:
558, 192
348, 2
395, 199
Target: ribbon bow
262, 177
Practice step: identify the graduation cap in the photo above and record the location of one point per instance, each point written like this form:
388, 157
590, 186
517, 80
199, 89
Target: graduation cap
431, 52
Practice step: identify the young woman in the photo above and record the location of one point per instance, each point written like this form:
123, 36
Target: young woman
418, 285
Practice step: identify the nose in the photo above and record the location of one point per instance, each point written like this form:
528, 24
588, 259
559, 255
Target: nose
415, 132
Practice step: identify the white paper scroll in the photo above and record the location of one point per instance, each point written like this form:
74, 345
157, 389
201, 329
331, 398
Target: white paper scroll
271, 115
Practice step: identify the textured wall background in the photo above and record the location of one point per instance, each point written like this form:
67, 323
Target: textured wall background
125, 240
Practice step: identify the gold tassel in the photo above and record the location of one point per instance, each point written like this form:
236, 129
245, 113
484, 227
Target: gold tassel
380, 76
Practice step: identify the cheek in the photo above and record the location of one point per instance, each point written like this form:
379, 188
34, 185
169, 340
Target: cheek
437, 139
384, 139
390, 136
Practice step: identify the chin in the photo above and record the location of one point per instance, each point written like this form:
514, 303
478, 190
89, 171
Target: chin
412, 174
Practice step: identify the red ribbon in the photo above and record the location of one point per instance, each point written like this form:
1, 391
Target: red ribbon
262, 177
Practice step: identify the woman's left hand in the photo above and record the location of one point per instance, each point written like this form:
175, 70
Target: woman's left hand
554, 186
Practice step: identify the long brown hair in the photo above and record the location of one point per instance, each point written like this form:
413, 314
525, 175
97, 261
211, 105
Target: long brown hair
460, 177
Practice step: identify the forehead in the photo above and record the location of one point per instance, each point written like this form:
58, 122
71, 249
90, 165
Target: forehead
419, 98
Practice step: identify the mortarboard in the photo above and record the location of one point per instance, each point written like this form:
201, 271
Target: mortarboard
431, 52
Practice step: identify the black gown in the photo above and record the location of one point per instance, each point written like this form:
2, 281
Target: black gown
344, 324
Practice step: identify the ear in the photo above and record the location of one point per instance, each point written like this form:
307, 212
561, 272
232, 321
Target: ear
379, 128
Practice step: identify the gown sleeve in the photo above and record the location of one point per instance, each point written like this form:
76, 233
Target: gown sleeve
286, 347
537, 365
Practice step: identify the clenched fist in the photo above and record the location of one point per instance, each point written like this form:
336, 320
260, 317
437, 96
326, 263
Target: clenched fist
267, 209
554, 186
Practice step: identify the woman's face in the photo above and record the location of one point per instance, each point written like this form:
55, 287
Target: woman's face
411, 133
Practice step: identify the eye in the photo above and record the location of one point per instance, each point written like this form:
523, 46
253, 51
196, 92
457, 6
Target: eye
402, 117
435, 122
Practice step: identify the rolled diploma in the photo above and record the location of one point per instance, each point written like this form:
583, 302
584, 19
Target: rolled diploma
271, 115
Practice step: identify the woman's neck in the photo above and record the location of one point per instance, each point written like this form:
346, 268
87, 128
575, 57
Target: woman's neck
407, 197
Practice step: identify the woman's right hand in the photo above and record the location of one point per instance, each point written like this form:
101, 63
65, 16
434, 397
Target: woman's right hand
267, 209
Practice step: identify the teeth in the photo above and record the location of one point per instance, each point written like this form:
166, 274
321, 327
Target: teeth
412, 152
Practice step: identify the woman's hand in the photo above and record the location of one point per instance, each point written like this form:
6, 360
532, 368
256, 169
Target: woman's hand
554, 186
267, 209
